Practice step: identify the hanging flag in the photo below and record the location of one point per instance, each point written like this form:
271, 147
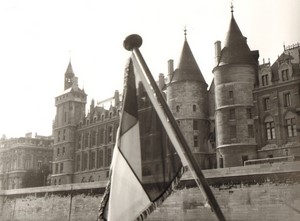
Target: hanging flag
145, 167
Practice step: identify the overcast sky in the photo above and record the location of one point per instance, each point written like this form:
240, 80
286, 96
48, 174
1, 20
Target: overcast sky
39, 37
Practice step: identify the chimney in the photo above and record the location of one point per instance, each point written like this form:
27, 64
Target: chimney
217, 52
117, 98
161, 81
170, 69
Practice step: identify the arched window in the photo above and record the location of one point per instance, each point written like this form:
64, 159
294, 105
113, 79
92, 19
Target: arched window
177, 108
270, 128
290, 121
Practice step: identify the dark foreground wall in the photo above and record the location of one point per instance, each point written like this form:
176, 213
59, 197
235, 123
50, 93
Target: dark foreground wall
267, 192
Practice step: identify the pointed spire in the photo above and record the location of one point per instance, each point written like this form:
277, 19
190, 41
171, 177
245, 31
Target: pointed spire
236, 49
185, 33
188, 68
69, 76
231, 9
69, 68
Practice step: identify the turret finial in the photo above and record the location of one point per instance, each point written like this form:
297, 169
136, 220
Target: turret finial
231, 8
185, 32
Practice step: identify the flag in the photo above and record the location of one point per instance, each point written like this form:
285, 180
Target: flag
145, 166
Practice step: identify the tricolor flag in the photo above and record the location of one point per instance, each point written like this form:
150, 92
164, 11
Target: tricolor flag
145, 167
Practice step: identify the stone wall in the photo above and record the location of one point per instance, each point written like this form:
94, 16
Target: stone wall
261, 192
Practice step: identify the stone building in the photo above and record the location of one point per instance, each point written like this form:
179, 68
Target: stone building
19, 155
83, 142
250, 114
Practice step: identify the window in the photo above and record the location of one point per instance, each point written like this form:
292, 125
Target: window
250, 130
86, 140
84, 161
108, 156
56, 168
265, 80
196, 143
64, 134
110, 134
285, 75
266, 103
78, 163
230, 93
194, 107
57, 151
39, 164
231, 114
93, 138
65, 117
287, 99
291, 127
270, 128
232, 130
92, 160
58, 136
99, 158
249, 113
177, 108
63, 150
61, 167
195, 125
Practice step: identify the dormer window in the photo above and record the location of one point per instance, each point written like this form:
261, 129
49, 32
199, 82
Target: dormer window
265, 80
285, 74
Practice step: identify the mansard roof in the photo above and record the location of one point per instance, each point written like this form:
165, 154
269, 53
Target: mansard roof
236, 49
188, 68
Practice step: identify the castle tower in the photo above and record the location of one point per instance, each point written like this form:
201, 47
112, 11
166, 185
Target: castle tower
70, 109
187, 99
234, 78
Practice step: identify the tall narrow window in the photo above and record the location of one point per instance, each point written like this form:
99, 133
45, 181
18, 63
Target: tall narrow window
194, 107
109, 156
291, 126
64, 134
249, 113
196, 143
110, 134
285, 75
270, 128
84, 161
266, 103
92, 160
177, 108
78, 163
287, 99
265, 80
230, 94
61, 167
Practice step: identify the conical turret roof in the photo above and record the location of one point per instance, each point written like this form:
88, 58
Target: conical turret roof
236, 49
188, 68
69, 70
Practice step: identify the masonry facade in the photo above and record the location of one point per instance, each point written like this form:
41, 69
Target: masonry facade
19, 155
250, 114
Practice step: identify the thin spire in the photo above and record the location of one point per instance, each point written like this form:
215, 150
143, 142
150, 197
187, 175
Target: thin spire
185, 33
231, 8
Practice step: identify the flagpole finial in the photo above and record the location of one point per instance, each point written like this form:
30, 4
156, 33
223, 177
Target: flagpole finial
132, 41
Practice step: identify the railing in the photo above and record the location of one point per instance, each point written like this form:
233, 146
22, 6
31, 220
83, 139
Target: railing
272, 160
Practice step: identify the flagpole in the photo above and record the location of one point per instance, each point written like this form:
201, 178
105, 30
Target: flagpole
132, 43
